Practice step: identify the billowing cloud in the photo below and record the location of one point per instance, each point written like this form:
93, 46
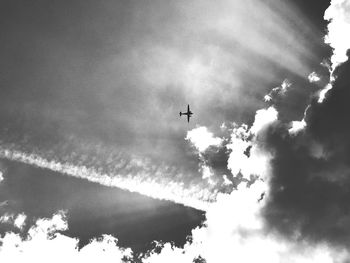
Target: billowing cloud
263, 119
246, 157
19, 221
234, 230
44, 243
208, 148
310, 170
201, 138
297, 126
235, 224
339, 24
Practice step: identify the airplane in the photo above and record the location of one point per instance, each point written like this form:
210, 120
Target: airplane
189, 113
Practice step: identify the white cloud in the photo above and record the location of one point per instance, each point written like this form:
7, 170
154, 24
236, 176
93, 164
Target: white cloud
297, 126
267, 98
7, 218
284, 86
202, 138
338, 37
238, 161
278, 91
313, 77
263, 118
207, 174
234, 232
226, 180
1, 176
19, 221
323, 92
257, 162
44, 244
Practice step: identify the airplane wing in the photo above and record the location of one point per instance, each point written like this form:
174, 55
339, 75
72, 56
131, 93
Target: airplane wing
188, 108
188, 117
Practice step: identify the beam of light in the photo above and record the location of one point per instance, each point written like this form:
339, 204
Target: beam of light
215, 56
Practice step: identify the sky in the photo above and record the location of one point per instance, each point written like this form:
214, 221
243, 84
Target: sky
96, 163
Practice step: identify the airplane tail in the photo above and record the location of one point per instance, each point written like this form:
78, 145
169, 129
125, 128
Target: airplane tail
180, 113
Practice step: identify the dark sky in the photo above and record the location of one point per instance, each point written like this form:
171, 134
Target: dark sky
97, 85
310, 185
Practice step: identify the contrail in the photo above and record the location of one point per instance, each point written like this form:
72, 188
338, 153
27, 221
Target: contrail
141, 182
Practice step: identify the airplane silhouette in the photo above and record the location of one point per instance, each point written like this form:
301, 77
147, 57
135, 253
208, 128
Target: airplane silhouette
188, 113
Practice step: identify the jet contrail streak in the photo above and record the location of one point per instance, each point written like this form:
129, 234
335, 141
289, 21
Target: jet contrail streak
141, 183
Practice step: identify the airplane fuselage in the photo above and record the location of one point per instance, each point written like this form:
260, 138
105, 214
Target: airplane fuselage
189, 113
186, 113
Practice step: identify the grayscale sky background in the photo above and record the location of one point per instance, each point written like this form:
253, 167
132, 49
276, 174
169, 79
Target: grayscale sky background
100, 84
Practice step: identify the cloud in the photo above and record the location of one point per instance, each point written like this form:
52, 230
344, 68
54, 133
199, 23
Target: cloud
339, 23
308, 182
323, 92
263, 119
246, 157
313, 77
211, 153
44, 242
201, 138
19, 222
309, 187
6, 218
236, 224
297, 126
233, 230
